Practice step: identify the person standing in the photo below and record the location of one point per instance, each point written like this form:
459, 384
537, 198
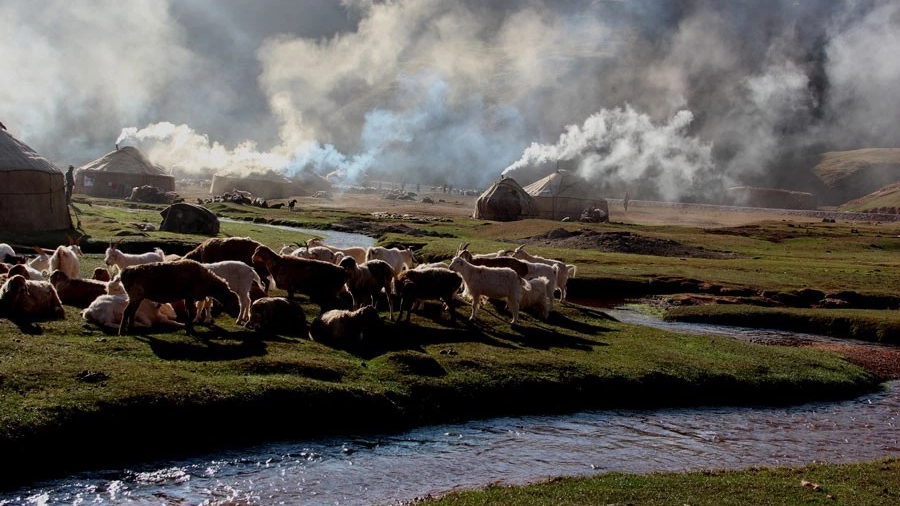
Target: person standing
70, 184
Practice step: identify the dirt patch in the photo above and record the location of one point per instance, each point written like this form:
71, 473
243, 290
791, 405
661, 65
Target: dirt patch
883, 362
377, 229
755, 232
625, 242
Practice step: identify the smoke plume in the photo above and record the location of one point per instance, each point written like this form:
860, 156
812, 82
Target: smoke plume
676, 99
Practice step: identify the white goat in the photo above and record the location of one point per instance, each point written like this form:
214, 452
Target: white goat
358, 254
398, 259
5, 251
240, 278
107, 310
115, 257
540, 296
319, 253
40, 263
562, 276
65, 259
491, 282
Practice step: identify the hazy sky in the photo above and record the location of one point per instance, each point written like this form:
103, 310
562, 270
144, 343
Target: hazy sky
676, 97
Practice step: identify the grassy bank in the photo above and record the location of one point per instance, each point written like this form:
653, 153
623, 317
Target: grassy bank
871, 483
865, 325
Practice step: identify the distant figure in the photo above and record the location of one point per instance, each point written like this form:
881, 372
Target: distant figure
117, 146
70, 184
418, 187
292, 203
625, 200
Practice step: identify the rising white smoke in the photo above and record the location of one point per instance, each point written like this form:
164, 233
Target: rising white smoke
625, 146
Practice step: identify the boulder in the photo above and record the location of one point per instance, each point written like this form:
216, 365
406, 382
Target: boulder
185, 218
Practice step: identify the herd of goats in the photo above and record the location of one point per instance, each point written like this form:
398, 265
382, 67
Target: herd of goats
153, 288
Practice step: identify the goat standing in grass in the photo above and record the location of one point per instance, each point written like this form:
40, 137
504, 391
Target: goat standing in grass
170, 282
491, 282
416, 285
399, 259
563, 274
233, 248
240, 278
321, 281
367, 280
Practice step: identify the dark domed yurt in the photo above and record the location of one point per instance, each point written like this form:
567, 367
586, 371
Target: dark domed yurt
114, 174
32, 190
505, 200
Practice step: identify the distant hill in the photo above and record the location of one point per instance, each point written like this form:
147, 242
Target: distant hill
855, 174
884, 200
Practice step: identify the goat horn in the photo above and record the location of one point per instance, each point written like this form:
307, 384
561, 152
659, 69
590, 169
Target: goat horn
519, 248
117, 243
80, 237
71, 241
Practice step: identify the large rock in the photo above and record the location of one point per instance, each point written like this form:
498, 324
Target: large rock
187, 218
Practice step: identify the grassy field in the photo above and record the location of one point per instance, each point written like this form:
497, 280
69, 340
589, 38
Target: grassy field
869, 484
167, 392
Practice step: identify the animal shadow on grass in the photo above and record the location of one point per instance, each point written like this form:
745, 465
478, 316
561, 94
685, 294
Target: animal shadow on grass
28, 328
540, 335
211, 344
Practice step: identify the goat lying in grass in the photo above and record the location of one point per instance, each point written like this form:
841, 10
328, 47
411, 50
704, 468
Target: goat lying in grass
358, 254
277, 315
416, 285
76, 291
29, 301
321, 281
170, 282
491, 282
344, 329
120, 260
107, 310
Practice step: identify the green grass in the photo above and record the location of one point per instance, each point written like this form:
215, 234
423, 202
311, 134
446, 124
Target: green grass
861, 484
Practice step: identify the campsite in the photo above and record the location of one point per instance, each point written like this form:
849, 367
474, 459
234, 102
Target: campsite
422, 252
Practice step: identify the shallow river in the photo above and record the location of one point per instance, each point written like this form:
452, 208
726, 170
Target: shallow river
385, 469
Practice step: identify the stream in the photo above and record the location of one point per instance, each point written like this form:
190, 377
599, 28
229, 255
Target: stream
392, 468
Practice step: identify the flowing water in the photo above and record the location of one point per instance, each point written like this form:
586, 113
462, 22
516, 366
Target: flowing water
331, 237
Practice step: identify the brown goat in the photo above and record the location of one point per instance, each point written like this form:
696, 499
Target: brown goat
233, 248
76, 291
515, 264
24, 300
366, 280
277, 315
344, 329
170, 282
321, 281
100, 274
427, 284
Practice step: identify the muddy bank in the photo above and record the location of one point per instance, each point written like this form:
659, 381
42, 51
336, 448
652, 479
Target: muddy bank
692, 292
624, 242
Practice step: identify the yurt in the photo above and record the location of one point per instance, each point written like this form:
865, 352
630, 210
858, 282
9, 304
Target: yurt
562, 194
117, 172
32, 190
265, 184
309, 182
505, 200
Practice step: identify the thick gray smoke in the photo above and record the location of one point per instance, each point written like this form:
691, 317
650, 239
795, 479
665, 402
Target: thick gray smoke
677, 99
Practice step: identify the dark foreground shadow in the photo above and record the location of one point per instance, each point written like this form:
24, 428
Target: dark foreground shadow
209, 344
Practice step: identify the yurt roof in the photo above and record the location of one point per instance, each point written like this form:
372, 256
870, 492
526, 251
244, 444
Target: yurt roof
559, 183
16, 155
126, 160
